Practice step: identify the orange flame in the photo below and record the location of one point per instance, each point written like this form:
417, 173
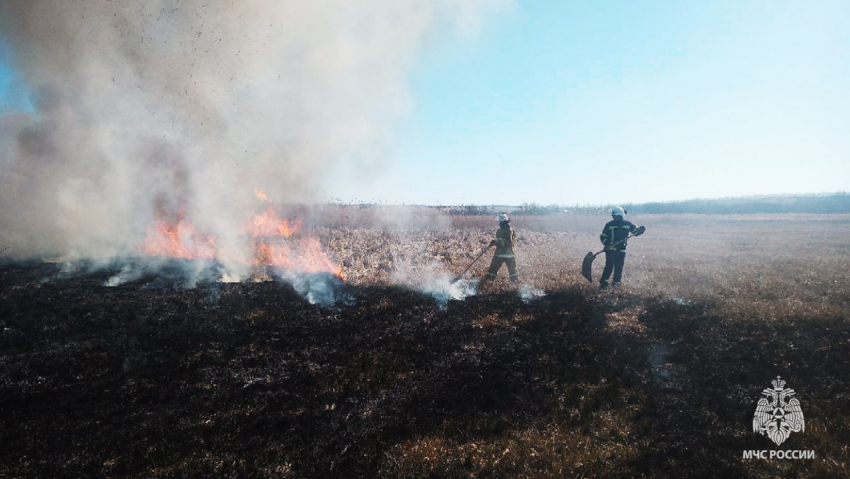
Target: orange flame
178, 240
304, 255
267, 224
276, 244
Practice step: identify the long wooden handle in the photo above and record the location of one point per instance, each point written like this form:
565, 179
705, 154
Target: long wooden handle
472, 263
614, 244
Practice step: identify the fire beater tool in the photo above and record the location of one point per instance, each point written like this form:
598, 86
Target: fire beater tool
457, 278
589, 257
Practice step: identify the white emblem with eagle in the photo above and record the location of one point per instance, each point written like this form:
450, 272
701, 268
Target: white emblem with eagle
776, 416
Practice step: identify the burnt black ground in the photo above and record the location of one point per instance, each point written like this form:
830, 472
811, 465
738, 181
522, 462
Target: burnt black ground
250, 380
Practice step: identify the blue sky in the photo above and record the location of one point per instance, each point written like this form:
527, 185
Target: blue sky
12, 94
5, 77
621, 101
600, 102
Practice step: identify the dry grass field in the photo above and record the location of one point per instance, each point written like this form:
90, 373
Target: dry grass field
753, 266
659, 378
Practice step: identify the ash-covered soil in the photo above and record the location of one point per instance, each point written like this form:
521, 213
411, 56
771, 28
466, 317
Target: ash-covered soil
250, 380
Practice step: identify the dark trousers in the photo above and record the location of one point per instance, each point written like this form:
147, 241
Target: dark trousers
614, 261
497, 263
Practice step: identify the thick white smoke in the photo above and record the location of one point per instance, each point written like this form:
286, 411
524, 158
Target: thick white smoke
169, 107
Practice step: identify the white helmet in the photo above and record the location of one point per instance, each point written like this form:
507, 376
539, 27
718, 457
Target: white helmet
618, 211
503, 217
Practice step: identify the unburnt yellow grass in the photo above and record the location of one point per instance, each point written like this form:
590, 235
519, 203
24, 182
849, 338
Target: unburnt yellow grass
746, 266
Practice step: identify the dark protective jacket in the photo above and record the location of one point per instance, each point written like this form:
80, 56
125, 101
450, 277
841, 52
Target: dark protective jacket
505, 240
616, 230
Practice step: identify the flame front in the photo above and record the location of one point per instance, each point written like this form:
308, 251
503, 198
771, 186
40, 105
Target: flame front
267, 224
302, 255
276, 243
177, 239
277, 246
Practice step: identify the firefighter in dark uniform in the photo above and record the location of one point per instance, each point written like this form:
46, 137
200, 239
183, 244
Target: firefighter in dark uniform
504, 243
616, 230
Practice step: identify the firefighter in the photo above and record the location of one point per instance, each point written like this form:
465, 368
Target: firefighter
504, 243
614, 236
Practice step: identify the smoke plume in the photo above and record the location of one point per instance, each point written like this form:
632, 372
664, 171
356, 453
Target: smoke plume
432, 279
172, 109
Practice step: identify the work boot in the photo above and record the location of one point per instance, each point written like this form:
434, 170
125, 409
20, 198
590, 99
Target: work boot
603, 284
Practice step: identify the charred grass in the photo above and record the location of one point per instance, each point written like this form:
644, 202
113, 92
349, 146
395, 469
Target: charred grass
249, 380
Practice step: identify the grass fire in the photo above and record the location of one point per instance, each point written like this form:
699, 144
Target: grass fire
274, 242
251, 379
424, 239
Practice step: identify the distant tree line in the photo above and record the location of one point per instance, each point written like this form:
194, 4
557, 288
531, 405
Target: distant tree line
832, 203
815, 204
523, 209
